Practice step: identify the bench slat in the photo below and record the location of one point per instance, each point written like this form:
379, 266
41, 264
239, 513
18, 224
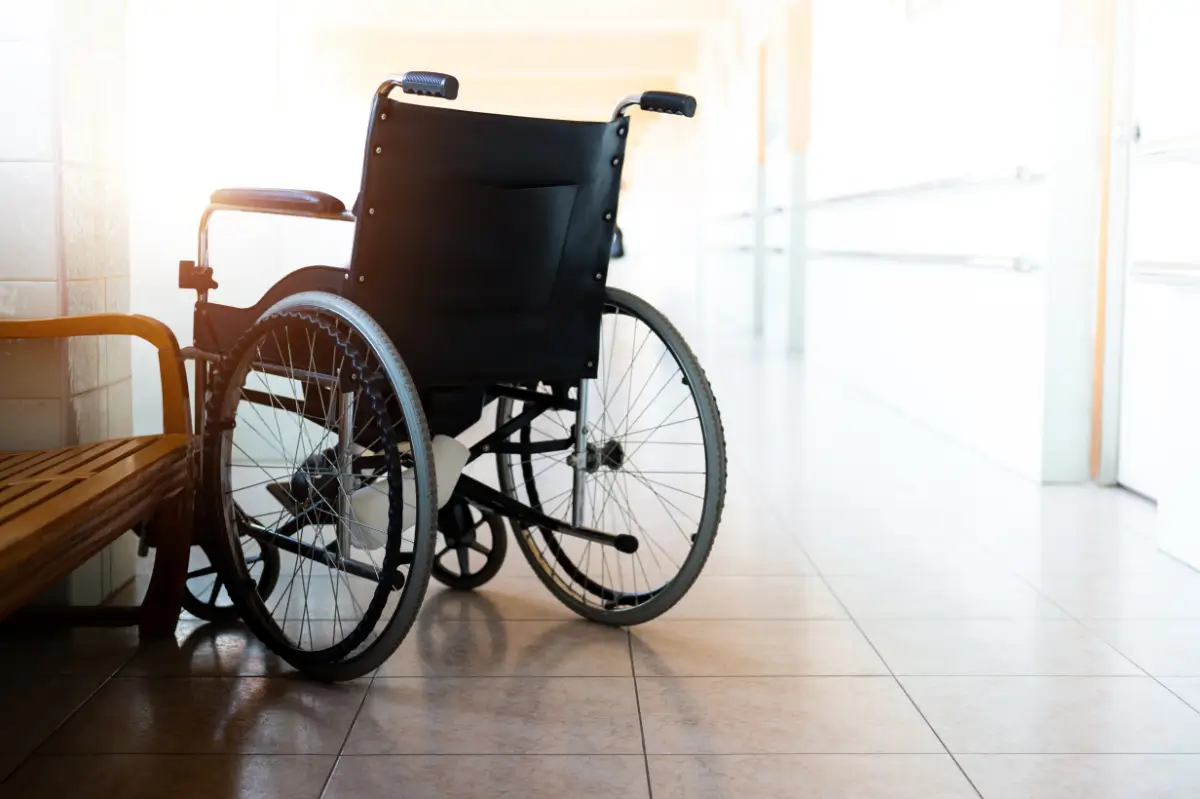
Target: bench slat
82, 504
21, 496
55, 457
13, 462
85, 460
50, 557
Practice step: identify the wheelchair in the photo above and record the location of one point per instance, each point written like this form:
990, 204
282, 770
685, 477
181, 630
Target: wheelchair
335, 479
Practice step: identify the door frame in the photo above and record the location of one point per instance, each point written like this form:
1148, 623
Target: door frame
1118, 126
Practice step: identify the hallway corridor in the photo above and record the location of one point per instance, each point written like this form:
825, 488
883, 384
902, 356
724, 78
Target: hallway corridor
884, 615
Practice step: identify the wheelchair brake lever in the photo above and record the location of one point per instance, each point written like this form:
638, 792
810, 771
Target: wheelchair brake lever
199, 278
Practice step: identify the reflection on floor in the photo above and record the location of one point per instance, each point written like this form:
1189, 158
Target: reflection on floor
885, 615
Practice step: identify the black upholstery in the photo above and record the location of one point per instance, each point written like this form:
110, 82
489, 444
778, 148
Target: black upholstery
483, 241
280, 200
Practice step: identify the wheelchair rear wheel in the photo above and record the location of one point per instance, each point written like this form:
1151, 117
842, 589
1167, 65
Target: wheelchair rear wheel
316, 445
653, 467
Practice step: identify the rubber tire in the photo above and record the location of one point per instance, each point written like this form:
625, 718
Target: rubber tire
417, 579
224, 614
490, 569
715, 466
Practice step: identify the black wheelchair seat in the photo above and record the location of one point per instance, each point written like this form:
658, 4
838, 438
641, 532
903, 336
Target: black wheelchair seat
280, 200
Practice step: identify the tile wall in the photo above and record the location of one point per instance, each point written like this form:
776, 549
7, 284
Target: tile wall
64, 239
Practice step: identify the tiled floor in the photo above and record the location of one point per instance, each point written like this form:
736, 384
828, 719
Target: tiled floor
885, 615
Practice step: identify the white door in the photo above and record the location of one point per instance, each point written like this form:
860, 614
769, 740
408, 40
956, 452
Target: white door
1163, 245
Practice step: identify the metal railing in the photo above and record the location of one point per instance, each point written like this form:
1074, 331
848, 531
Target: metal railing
1176, 148
1003, 262
1020, 174
1171, 273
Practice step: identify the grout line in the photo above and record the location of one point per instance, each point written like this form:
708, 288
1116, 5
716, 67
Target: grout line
1154, 677
779, 519
1083, 625
1192, 755
641, 724
74, 712
341, 749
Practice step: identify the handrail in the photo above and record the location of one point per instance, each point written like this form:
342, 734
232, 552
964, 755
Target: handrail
772, 211
1171, 273
1018, 174
746, 248
1011, 263
1168, 148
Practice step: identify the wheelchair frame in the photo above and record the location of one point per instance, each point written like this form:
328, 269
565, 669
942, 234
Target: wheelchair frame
198, 276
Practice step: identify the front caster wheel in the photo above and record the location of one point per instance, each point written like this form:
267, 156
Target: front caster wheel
476, 543
205, 595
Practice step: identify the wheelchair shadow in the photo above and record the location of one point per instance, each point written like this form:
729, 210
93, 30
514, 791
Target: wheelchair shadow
238, 700
486, 647
681, 710
461, 629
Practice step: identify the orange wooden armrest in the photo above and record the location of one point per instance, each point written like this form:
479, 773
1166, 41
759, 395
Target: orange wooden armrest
176, 416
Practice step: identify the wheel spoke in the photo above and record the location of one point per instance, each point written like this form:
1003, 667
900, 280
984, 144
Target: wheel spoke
640, 402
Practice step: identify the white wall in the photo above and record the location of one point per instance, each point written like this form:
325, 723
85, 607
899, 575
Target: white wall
964, 89
290, 109
1159, 429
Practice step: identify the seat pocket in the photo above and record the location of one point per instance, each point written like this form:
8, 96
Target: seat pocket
468, 247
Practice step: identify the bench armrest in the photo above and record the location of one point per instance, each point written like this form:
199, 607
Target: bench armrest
176, 415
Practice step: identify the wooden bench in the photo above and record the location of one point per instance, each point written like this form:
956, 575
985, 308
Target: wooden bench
60, 507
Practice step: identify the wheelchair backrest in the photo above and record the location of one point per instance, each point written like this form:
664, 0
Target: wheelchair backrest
482, 241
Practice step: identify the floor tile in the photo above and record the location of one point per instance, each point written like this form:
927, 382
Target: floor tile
1163, 647
1089, 552
797, 597
9, 761
207, 650
1084, 776
964, 595
246, 715
1172, 593
511, 649
511, 598
785, 715
808, 776
1056, 715
994, 646
66, 651
180, 776
735, 553
33, 707
876, 554
486, 777
511, 715
716, 648
1186, 688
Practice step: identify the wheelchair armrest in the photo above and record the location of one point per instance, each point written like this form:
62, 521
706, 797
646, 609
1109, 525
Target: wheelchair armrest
280, 201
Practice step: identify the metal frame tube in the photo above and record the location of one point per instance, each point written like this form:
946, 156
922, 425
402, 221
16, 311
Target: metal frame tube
627, 101
577, 481
345, 468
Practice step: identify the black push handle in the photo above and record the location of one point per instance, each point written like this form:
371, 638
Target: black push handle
668, 103
430, 84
